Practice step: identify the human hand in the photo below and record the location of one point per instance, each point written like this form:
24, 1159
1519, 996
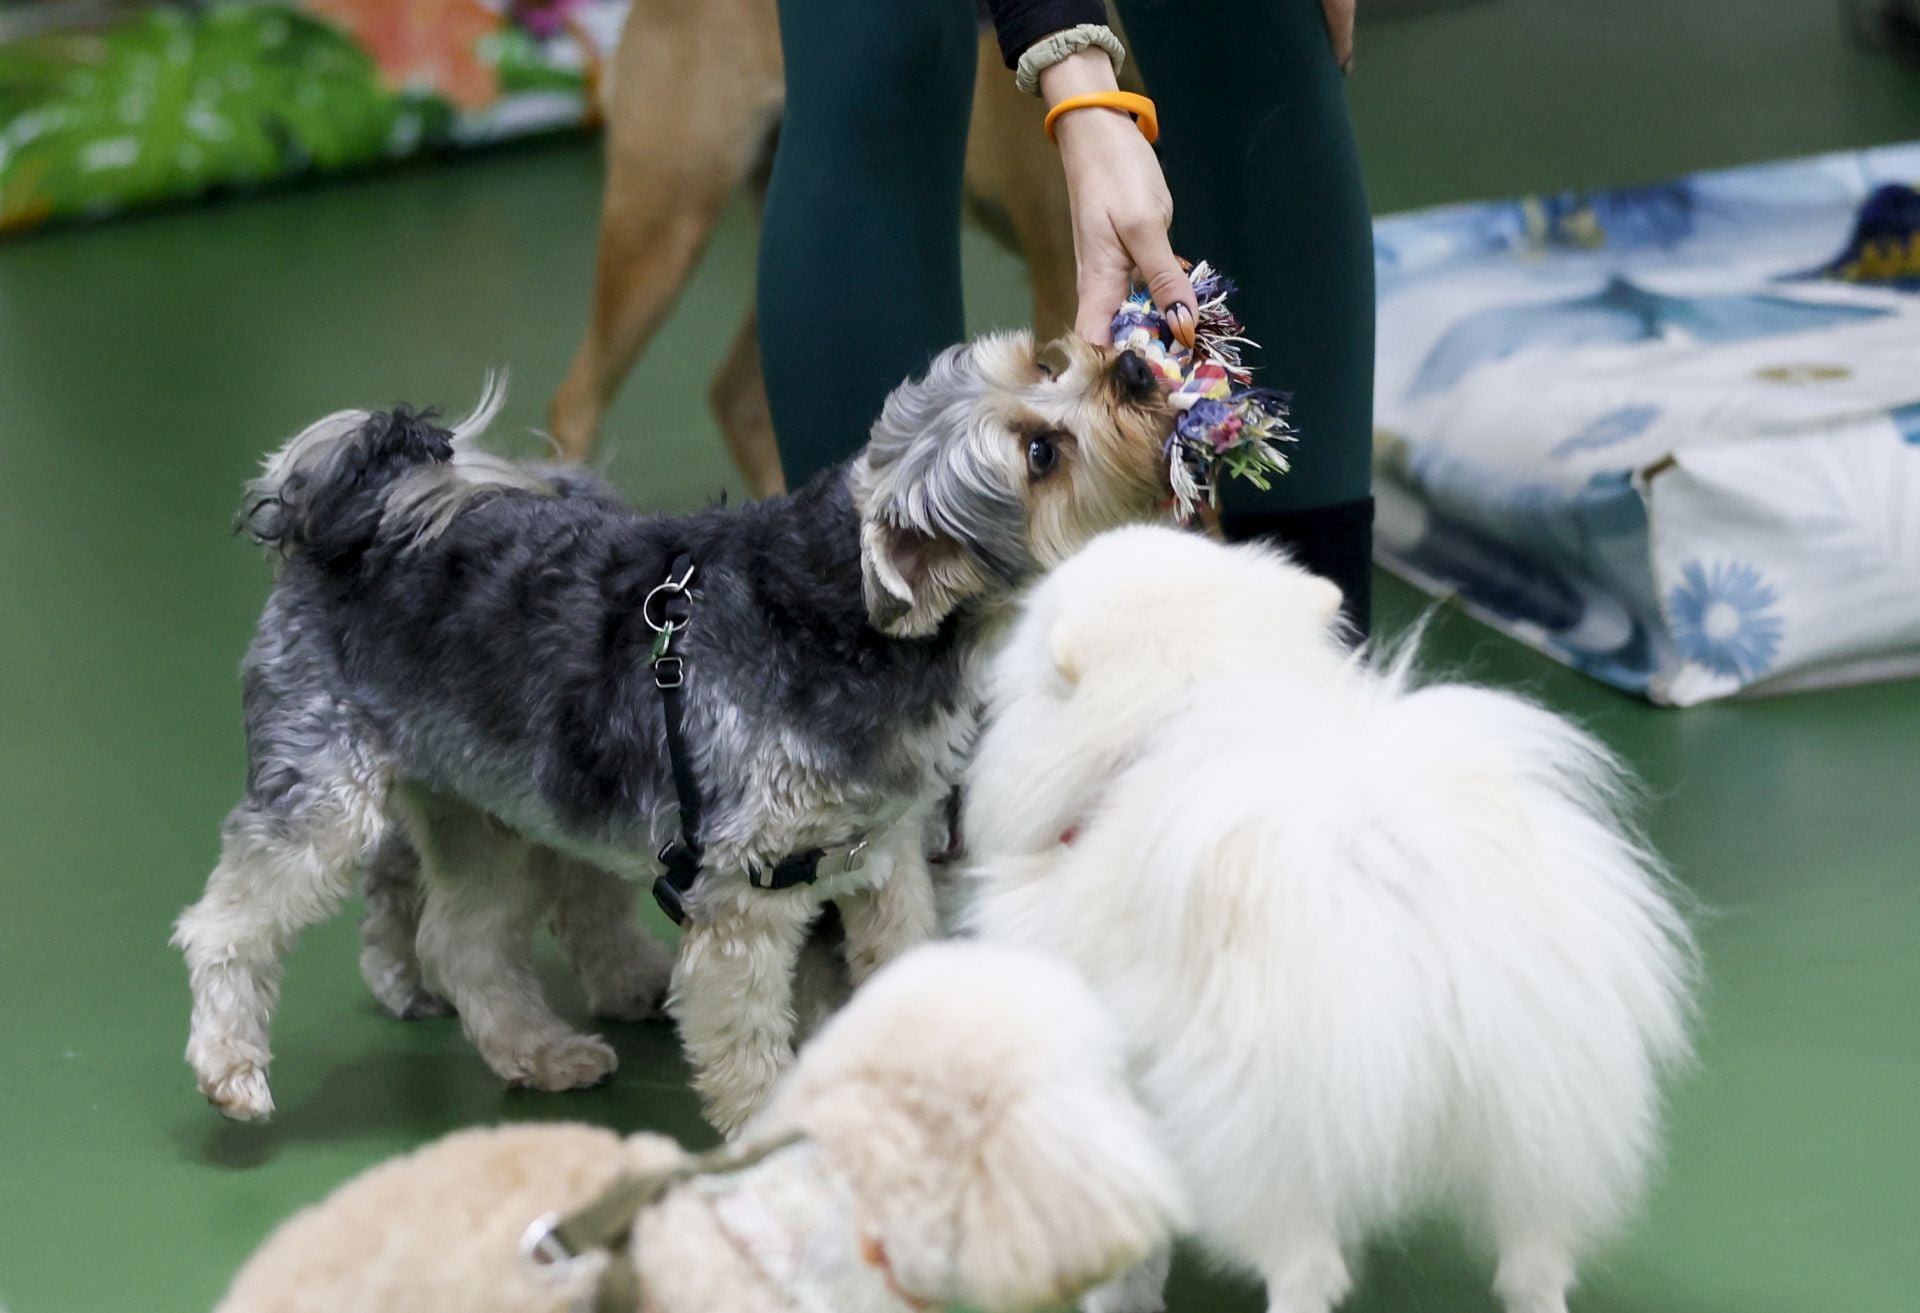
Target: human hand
1121, 206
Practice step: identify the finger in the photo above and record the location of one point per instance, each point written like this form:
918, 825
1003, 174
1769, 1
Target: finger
1183, 326
1340, 31
1102, 289
1166, 281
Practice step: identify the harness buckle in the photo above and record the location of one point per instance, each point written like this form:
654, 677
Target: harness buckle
667, 896
799, 869
683, 872
669, 671
854, 853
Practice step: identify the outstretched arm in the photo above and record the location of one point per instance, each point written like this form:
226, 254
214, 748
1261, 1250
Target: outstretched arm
1121, 206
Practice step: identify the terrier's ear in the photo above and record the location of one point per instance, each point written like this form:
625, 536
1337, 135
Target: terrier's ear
913, 580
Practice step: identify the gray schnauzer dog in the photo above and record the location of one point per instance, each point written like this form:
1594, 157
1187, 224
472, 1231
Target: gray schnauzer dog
458, 657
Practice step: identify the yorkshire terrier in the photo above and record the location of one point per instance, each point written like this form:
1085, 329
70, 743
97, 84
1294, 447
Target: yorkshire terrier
457, 651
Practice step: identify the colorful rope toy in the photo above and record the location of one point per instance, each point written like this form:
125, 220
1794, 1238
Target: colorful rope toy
1225, 424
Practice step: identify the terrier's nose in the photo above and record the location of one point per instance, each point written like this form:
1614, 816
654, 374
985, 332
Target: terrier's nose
1135, 376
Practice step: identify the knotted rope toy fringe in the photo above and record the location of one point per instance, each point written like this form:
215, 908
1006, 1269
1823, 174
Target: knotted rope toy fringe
1225, 423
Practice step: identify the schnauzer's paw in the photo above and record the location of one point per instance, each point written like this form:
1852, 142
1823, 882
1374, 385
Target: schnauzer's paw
421, 1005
571, 1062
639, 995
396, 986
640, 1005
636, 988
240, 1092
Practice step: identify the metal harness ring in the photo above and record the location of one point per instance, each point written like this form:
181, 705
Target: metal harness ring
671, 587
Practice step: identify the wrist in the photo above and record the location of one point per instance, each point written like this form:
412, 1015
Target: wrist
1098, 114
1092, 132
1079, 73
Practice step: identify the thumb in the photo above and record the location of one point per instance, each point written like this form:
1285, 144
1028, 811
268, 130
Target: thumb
1169, 285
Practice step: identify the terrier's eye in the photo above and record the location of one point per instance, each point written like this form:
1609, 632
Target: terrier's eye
1043, 453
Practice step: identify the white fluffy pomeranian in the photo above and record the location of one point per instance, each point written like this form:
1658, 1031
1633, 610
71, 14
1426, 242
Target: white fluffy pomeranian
1378, 946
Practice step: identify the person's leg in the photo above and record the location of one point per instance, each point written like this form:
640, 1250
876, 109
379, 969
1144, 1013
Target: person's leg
1259, 154
860, 242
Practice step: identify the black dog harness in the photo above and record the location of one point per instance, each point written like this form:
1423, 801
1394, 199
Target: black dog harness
667, 610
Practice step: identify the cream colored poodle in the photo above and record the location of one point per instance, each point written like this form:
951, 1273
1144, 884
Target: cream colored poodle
960, 1134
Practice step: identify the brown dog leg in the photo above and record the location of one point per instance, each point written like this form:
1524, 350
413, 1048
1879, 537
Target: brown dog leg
739, 399
696, 90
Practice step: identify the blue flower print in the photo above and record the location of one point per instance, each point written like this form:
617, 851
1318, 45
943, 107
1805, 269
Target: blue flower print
1907, 420
1723, 619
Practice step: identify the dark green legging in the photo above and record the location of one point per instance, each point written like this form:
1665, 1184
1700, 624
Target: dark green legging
866, 191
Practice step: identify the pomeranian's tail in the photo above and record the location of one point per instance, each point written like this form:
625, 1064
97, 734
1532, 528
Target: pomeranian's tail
356, 475
1572, 962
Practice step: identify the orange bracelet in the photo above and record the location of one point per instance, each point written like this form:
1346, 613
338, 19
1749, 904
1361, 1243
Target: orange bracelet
1145, 117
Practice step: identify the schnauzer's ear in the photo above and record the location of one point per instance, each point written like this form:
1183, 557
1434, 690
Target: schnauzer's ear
913, 580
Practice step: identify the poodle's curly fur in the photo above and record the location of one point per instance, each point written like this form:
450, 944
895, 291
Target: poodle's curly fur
970, 1103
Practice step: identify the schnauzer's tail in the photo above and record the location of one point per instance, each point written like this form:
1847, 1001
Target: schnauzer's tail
357, 475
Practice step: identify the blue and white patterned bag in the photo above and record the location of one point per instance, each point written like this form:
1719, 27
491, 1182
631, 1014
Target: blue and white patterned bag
1669, 435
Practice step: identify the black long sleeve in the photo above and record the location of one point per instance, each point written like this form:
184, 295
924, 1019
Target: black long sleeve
1020, 23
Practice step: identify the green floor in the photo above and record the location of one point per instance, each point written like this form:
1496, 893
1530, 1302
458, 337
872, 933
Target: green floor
145, 365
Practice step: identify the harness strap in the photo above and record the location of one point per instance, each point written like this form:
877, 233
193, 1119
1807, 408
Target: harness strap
667, 610
681, 855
